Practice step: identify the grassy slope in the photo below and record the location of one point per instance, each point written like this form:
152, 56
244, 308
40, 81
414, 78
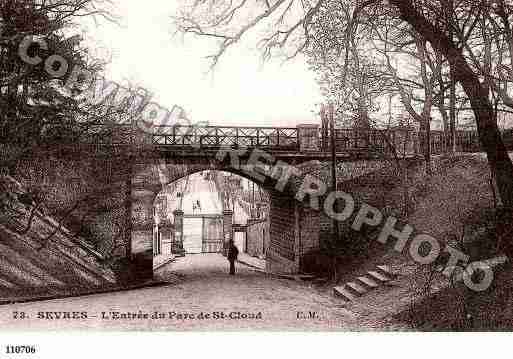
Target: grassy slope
444, 205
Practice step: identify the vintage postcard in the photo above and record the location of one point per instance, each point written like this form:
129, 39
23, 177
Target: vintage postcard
267, 165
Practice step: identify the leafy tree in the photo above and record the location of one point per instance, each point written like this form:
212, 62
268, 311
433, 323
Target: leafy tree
33, 107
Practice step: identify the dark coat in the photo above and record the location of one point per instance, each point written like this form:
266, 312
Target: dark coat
233, 252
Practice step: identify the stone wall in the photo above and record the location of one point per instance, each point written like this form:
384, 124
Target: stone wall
87, 192
257, 237
282, 219
309, 227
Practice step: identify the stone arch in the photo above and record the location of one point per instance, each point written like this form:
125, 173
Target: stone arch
294, 228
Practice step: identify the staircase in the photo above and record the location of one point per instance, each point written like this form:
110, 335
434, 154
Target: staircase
350, 291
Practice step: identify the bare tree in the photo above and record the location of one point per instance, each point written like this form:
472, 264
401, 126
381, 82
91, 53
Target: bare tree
290, 22
425, 18
411, 49
347, 73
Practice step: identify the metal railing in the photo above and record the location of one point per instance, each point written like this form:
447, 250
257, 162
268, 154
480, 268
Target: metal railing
218, 136
284, 139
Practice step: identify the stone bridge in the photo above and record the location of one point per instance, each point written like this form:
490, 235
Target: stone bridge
264, 155
116, 171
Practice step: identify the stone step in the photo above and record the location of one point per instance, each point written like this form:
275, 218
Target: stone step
356, 288
385, 269
344, 293
380, 277
368, 282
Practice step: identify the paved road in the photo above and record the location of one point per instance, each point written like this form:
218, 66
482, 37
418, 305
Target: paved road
203, 287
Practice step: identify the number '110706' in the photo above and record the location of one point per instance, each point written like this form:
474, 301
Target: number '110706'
20, 349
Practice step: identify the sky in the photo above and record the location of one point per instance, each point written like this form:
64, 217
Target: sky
240, 91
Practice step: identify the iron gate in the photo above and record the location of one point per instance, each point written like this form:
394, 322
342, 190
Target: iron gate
212, 238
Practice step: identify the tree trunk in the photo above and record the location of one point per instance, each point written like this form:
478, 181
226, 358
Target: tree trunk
425, 130
449, 18
488, 130
441, 97
452, 113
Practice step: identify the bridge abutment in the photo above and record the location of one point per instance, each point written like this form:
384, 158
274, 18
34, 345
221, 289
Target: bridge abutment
144, 189
294, 234
141, 253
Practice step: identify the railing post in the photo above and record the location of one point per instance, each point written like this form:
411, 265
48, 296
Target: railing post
298, 142
308, 137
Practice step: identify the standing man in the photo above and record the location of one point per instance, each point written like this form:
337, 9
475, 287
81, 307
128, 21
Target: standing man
233, 252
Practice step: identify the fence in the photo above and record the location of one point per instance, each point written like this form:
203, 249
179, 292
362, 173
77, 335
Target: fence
404, 140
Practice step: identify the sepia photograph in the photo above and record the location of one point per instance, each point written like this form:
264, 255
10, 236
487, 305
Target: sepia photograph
306, 166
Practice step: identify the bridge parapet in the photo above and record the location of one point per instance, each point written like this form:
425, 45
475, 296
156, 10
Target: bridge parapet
304, 139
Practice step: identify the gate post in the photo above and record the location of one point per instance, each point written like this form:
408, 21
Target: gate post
166, 230
177, 246
227, 230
